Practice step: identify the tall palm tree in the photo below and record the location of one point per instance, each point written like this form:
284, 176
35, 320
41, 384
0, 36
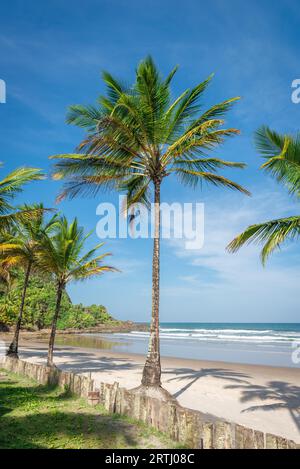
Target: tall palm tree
10, 186
282, 153
138, 136
19, 249
62, 256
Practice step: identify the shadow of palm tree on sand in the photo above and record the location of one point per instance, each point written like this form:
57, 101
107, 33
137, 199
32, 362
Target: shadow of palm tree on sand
194, 375
83, 362
283, 395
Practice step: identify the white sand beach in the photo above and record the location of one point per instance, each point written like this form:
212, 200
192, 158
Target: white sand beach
261, 397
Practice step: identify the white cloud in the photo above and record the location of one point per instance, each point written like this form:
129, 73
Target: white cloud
237, 284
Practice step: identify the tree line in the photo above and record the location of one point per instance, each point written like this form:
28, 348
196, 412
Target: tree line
40, 302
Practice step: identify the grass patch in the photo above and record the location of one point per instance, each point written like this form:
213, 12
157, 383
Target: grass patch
35, 416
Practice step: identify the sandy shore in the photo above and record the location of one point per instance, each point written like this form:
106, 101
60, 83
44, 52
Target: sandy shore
262, 397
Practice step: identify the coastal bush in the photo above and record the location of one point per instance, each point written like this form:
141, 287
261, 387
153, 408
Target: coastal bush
40, 305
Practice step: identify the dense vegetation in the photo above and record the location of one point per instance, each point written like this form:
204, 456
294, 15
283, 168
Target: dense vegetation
40, 305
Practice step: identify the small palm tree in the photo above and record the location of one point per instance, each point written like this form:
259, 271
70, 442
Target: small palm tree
10, 186
61, 255
19, 250
283, 162
138, 136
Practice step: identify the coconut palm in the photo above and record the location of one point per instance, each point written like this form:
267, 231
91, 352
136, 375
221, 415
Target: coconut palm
282, 153
138, 136
19, 250
62, 255
11, 186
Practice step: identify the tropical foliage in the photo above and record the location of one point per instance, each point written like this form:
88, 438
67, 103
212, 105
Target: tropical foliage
137, 136
19, 248
282, 154
32, 243
10, 187
62, 255
40, 305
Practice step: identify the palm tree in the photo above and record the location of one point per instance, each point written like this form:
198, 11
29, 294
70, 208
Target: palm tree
10, 186
19, 250
282, 153
136, 137
61, 255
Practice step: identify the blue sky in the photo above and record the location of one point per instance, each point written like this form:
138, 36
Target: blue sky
51, 56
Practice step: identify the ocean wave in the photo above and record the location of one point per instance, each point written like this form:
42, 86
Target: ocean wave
238, 331
222, 335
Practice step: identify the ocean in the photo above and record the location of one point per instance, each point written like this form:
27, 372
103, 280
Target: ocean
276, 344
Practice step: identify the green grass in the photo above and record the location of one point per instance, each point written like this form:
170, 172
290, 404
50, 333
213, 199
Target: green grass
35, 416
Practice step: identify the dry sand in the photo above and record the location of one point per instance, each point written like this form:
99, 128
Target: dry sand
261, 397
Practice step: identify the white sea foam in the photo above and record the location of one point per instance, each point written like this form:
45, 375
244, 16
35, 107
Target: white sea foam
222, 335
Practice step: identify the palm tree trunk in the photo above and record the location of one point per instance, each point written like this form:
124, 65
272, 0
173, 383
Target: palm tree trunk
60, 289
152, 368
13, 348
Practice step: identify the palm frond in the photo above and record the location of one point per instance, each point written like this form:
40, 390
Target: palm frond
137, 135
86, 117
193, 178
268, 142
199, 140
137, 190
218, 111
13, 183
271, 234
203, 164
283, 157
114, 87
61, 253
188, 106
